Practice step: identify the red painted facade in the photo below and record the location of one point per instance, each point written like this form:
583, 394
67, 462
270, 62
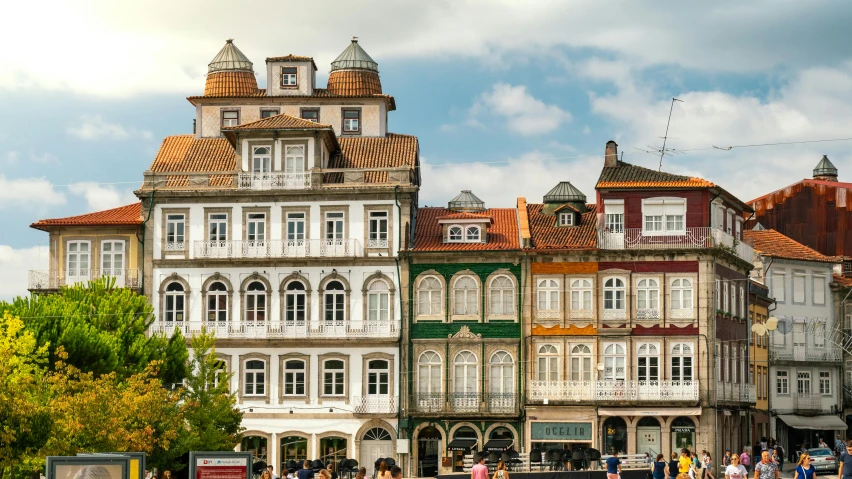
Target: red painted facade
651, 266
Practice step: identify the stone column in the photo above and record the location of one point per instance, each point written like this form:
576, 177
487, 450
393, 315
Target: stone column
631, 438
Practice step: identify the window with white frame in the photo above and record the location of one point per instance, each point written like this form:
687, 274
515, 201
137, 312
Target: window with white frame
548, 294
743, 362
294, 159
819, 289
473, 234
351, 121
112, 259
295, 227
289, 77
256, 227
78, 260
217, 302
378, 229
255, 307
803, 383
726, 351
798, 287
778, 290
739, 227
718, 362
548, 363
725, 297
455, 234
825, 383
614, 292
218, 227
429, 373
614, 360
295, 300
175, 229
664, 216
261, 159
581, 294
230, 118
681, 293
614, 216
743, 312
733, 309
378, 377
334, 225
730, 222
648, 363
378, 301
465, 373
800, 339
648, 298
254, 378
502, 293
581, 363
429, 296
334, 302
334, 377
502, 374
465, 296
718, 294
819, 334
734, 364
294, 377
174, 299
566, 219
782, 382
681, 362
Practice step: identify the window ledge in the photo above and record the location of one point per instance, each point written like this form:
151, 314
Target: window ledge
466, 317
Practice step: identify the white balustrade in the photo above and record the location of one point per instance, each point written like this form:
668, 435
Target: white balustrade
274, 181
377, 243
375, 404
689, 238
647, 313
613, 390
305, 248
39, 280
282, 329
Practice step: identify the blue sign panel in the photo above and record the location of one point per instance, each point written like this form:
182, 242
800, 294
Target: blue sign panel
561, 431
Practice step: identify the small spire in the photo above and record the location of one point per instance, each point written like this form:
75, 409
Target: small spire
354, 39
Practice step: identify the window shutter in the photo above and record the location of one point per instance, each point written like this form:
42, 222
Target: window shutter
819, 289
654, 209
778, 286
798, 288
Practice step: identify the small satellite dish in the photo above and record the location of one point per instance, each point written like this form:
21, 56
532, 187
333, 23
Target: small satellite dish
772, 324
759, 329
785, 325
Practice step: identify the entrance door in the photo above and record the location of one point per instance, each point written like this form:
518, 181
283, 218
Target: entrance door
375, 444
648, 440
112, 261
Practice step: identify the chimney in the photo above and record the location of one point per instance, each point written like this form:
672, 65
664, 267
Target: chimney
611, 157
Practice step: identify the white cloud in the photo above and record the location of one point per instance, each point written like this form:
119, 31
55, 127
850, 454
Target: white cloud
524, 113
101, 197
10, 158
28, 192
43, 158
94, 127
14, 264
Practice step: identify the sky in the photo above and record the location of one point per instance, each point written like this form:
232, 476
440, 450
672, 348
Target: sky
507, 97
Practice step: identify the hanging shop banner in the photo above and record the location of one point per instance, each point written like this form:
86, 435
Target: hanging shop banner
561, 431
220, 465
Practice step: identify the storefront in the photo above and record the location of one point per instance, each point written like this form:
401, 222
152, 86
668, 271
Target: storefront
545, 436
614, 436
463, 443
648, 432
683, 434
428, 451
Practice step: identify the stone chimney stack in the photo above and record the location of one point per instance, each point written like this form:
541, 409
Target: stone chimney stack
611, 158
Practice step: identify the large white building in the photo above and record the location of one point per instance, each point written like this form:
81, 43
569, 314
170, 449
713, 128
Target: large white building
277, 225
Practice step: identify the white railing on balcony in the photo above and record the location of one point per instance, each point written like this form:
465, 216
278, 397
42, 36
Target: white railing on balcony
613, 314
308, 248
688, 313
828, 352
643, 313
548, 314
274, 181
690, 238
614, 390
808, 401
36, 280
375, 404
581, 314
377, 243
282, 329
736, 392
495, 403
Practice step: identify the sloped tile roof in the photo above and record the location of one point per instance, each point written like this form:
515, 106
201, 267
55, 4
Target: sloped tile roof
225, 84
465, 216
317, 93
774, 244
626, 175
279, 122
354, 82
568, 207
292, 58
186, 153
129, 215
843, 281
546, 235
391, 151
503, 234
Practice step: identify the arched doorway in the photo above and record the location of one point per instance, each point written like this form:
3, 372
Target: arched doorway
292, 448
463, 442
375, 443
428, 452
500, 439
683, 434
614, 436
257, 445
332, 449
648, 437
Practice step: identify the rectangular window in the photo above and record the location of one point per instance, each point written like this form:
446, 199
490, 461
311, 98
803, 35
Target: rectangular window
333, 378
566, 219
256, 227
718, 294
727, 359
799, 338
798, 287
778, 290
803, 383
378, 230
819, 289
614, 217
289, 77
294, 159
730, 222
825, 383
742, 303
782, 385
266, 113
664, 216
733, 299
725, 305
311, 114
261, 159
718, 363
819, 335
78, 261
548, 294
294, 378
739, 227
581, 295
295, 226
351, 121
334, 225
218, 226
230, 118
653, 223
175, 228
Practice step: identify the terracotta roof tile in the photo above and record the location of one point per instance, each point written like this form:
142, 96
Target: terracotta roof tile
503, 234
546, 235
391, 151
774, 244
575, 210
465, 216
843, 281
230, 84
354, 82
292, 58
317, 93
129, 215
279, 122
626, 175
186, 153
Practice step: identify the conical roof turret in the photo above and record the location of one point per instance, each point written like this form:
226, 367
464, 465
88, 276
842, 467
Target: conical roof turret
230, 73
354, 57
825, 170
229, 58
354, 73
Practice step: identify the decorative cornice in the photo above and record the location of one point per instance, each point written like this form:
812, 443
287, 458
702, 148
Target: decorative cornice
465, 333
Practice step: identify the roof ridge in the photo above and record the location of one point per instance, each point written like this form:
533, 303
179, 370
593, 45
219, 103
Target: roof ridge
308, 123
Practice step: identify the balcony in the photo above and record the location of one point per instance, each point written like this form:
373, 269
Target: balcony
808, 402
282, 329
735, 392
375, 404
802, 352
608, 391
47, 280
274, 181
465, 403
692, 238
308, 248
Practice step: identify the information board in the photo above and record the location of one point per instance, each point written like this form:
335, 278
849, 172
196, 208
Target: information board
221, 465
561, 431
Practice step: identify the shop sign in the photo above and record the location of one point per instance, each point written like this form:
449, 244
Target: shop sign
561, 431
684, 429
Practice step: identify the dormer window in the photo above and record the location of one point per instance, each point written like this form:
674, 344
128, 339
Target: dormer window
230, 118
464, 234
473, 234
566, 219
289, 77
456, 234
351, 121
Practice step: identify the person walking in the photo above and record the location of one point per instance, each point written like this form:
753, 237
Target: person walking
501, 472
479, 471
804, 469
766, 468
844, 470
613, 466
384, 473
708, 466
745, 460
672, 469
684, 462
839, 445
726, 459
305, 472
735, 470
658, 467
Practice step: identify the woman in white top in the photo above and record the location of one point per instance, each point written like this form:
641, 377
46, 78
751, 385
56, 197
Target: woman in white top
735, 470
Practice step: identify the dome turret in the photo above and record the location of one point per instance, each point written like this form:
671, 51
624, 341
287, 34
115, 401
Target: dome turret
825, 170
230, 73
466, 201
354, 73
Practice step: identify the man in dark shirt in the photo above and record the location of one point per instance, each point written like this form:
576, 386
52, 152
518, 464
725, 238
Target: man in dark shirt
305, 472
845, 469
396, 472
613, 466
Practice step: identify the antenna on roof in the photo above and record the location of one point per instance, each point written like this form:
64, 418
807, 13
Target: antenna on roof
666, 136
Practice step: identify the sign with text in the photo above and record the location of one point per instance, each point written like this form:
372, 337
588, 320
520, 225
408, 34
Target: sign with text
220, 465
561, 431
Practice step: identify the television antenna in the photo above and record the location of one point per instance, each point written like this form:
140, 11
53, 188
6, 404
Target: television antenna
663, 150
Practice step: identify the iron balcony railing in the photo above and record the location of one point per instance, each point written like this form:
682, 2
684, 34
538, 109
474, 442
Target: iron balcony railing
802, 352
375, 404
304, 248
282, 329
612, 390
689, 238
808, 401
41, 280
448, 403
274, 181
736, 392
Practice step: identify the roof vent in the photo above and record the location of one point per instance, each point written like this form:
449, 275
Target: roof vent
825, 170
565, 192
466, 201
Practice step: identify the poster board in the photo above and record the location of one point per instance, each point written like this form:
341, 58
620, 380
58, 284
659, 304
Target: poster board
137, 461
88, 467
220, 465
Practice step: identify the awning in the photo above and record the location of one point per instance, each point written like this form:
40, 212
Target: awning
659, 411
819, 423
461, 444
498, 444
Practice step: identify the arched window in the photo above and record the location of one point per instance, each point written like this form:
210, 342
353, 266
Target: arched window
429, 373
473, 234
377, 434
174, 307
548, 295
502, 296
464, 373
502, 373
256, 301
581, 295
334, 377
294, 159
294, 377
682, 293
648, 363
378, 301
293, 448
295, 299
614, 359
548, 363
465, 296
648, 299
581, 363
217, 302
614, 294
254, 378
261, 160
429, 297
378, 377
335, 302
456, 234
681, 361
